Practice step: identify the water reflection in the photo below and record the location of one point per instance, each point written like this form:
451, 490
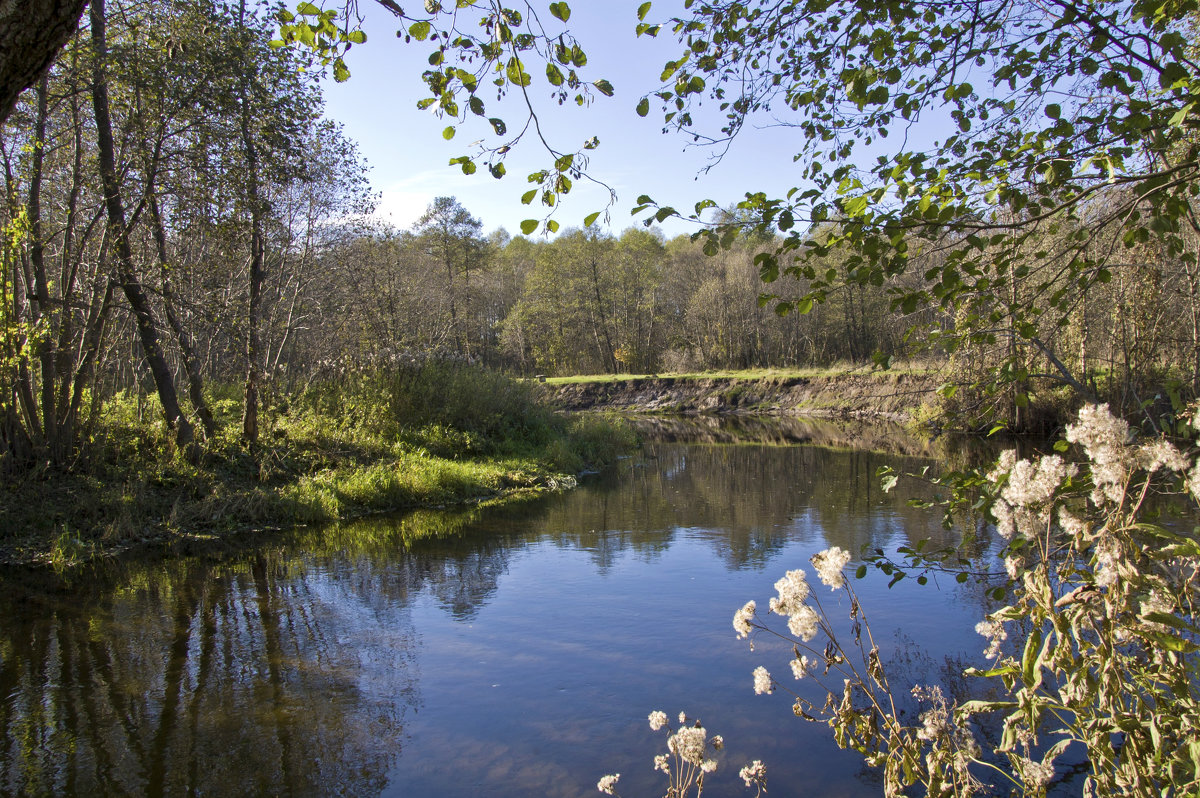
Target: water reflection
190, 677
506, 651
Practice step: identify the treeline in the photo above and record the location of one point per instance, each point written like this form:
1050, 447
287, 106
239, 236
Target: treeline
586, 302
590, 302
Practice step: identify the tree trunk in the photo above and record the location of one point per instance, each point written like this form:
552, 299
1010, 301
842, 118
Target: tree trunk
55, 448
257, 251
186, 349
126, 275
31, 34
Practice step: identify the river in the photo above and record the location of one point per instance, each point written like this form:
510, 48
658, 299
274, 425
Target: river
516, 654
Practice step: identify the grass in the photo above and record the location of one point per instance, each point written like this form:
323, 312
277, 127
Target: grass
434, 436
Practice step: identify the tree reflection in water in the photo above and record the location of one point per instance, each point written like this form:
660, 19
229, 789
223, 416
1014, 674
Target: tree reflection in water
530, 637
200, 677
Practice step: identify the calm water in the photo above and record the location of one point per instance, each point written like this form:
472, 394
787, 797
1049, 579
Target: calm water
517, 655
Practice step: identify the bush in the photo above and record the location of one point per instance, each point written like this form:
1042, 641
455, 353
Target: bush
455, 409
1097, 650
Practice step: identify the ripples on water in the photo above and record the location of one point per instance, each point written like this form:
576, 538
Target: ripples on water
517, 655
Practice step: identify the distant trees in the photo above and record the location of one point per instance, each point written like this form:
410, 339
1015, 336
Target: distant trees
586, 302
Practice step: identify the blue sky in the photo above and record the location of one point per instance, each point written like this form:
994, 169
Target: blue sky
409, 157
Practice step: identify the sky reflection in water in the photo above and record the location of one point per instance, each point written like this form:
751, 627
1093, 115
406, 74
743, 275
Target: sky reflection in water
517, 656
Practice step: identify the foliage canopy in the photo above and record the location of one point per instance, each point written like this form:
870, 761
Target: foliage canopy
1040, 145
1065, 135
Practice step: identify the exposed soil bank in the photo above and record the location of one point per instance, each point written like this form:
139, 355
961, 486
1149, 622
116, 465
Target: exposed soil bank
894, 396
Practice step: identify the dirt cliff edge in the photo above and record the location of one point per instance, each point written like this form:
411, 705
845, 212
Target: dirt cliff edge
894, 396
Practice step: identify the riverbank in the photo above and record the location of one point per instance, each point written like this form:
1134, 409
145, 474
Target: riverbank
901, 396
441, 435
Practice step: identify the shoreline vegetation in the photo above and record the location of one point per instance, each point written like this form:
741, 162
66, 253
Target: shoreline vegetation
424, 435
418, 434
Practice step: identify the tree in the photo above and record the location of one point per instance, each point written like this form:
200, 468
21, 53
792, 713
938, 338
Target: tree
32, 32
1045, 119
1061, 120
125, 274
451, 235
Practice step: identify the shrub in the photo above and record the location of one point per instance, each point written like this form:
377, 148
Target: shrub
1098, 649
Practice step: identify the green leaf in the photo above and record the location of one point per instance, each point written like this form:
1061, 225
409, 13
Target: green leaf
977, 706
590, 219
604, 87
356, 37
498, 126
552, 225
561, 11
1172, 74
643, 107
308, 10
515, 71
419, 30
862, 569
1168, 619
528, 226
1180, 116
1029, 660
643, 10
527, 198
448, 133
1171, 642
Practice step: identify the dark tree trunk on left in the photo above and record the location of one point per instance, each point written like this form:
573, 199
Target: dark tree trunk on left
31, 34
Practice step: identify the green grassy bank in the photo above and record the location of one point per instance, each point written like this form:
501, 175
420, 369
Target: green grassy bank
423, 435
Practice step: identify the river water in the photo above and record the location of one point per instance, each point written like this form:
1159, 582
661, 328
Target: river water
517, 654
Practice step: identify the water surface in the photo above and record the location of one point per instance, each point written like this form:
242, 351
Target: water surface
517, 655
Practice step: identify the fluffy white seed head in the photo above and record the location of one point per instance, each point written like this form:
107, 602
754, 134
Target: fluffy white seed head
762, 681
793, 590
688, 744
830, 564
754, 773
803, 623
742, 619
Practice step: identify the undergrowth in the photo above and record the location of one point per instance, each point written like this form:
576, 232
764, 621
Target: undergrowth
423, 435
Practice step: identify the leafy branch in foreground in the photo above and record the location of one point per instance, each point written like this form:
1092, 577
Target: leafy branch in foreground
1042, 148
477, 48
1096, 652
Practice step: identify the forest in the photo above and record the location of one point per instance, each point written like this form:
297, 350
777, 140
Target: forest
184, 226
